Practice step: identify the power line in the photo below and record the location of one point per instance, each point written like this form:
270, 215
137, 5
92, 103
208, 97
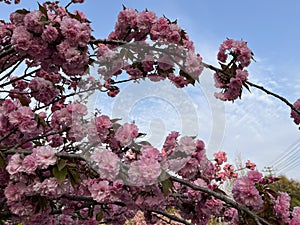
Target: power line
288, 155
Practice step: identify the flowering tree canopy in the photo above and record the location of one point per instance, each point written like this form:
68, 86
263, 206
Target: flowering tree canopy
61, 165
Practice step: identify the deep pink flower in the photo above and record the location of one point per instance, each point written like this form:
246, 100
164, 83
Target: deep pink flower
220, 157
43, 90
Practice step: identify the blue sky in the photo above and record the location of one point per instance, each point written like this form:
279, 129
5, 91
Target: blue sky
257, 127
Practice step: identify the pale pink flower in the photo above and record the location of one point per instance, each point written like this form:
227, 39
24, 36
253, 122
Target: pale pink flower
15, 164
186, 145
108, 163
100, 190
126, 133
149, 152
144, 172
29, 164
45, 156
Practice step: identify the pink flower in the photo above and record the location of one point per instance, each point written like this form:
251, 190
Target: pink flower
50, 34
43, 90
144, 172
254, 175
145, 20
250, 165
242, 75
32, 21
100, 190
28, 126
149, 152
294, 114
108, 163
126, 133
21, 39
15, 192
77, 109
186, 145
29, 164
296, 216
15, 164
281, 208
245, 192
220, 157
45, 156
192, 65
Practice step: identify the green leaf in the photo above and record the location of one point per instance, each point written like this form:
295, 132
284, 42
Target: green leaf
115, 120
60, 175
99, 216
2, 161
61, 164
73, 177
167, 185
42, 9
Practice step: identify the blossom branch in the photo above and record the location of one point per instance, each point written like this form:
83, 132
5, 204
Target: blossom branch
223, 198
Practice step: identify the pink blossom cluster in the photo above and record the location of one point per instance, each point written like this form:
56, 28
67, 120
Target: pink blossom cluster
18, 122
245, 192
139, 26
41, 157
282, 207
52, 38
235, 75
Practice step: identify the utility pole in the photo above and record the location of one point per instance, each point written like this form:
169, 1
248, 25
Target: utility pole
269, 170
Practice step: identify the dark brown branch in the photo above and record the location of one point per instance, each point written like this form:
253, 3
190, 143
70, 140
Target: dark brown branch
274, 95
108, 42
8, 52
172, 217
256, 86
223, 198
